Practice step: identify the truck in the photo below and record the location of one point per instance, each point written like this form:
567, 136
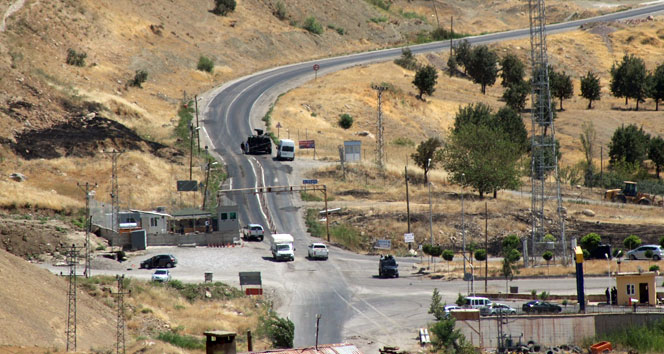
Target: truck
286, 150
388, 267
253, 232
317, 251
282, 247
261, 143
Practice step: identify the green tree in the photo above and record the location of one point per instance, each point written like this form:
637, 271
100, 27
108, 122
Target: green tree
472, 114
483, 158
223, 7
280, 331
515, 95
448, 255
561, 86
510, 242
629, 79
483, 66
588, 138
509, 265
661, 241
205, 64
512, 70
445, 336
548, 256
428, 155
425, 81
462, 52
510, 122
657, 85
480, 255
345, 121
590, 88
629, 144
452, 65
139, 78
590, 241
632, 241
437, 309
461, 300
656, 153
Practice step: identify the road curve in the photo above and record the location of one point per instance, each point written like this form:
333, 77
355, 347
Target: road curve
229, 113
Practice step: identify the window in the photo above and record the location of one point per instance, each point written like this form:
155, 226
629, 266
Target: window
224, 216
630, 289
154, 221
233, 216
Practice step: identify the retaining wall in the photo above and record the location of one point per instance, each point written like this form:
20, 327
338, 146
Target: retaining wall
551, 330
198, 239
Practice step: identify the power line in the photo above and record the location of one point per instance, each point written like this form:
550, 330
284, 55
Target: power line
72, 260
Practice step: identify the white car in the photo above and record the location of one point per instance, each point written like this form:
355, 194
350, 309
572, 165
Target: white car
317, 250
640, 252
161, 275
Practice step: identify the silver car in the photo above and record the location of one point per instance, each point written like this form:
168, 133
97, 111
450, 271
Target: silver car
497, 309
640, 252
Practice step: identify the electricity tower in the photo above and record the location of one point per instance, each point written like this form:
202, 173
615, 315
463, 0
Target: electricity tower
72, 259
380, 158
120, 329
544, 163
115, 190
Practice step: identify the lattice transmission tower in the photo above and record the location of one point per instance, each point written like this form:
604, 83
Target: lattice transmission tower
120, 328
546, 204
72, 260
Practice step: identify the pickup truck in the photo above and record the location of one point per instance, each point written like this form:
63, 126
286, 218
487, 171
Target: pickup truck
253, 232
317, 251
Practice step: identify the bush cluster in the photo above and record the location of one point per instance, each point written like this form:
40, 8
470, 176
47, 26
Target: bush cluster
345, 120
312, 25
205, 64
75, 58
140, 77
223, 7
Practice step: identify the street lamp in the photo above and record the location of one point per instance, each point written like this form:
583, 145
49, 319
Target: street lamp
430, 208
608, 261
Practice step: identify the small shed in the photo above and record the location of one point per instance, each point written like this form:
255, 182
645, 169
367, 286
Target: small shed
227, 215
639, 286
153, 222
190, 220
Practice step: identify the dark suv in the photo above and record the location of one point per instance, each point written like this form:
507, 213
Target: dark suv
388, 267
160, 261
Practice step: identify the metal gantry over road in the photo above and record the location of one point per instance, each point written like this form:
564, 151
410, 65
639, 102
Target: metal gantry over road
288, 189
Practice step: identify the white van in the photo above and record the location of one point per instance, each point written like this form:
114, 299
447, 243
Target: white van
476, 302
286, 150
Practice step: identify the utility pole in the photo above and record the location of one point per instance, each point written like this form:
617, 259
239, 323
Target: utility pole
317, 327
115, 190
463, 227
430, 209
198, 134
451, 35
88, 195
72, 259
436, 12
379, 141
407, 204
120, 329
191, 149
486, 246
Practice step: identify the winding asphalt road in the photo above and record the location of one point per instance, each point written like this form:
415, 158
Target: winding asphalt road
327, 288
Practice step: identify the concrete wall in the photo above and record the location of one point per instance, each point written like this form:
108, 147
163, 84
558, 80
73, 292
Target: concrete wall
551, 330
200, 239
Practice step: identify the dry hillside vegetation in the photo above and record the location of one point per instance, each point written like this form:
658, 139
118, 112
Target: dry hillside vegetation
408, 120
41, 92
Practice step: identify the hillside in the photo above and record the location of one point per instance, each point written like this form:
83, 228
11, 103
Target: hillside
34, 310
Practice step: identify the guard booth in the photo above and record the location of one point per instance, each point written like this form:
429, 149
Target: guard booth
639, 286
190, 220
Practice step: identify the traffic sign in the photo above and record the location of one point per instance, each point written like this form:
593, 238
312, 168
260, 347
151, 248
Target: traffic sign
383, 244
278, 124
409, 237
307, 144
316, 67
309, 181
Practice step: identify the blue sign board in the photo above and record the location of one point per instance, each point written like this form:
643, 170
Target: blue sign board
309, 181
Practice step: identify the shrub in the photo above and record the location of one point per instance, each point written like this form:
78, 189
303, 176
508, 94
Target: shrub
223, 7
590, 241
548, 255
312, 25
632, 241
140, 77
280, 331
403, 142
378, 19
280, 11
544, 295
75, 58
205, 64
407, 60
381, 4
461, 300
345, 120
182, 341
654, 268
480, 255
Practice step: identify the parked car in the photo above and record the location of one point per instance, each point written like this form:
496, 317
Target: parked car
160, 261
497, 309
541, 306
253, 232
161, 275
640, 252
476, 302
388, 267
449, 308
317, 251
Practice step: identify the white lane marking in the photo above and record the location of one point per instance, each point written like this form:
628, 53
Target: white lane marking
359, 312
260, 205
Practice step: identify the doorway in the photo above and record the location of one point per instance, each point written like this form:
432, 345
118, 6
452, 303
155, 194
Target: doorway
643, 293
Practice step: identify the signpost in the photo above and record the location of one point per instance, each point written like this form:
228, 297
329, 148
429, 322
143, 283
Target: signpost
251, 278
309, 181
409, 237
308, 144
316, 67
278, 127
